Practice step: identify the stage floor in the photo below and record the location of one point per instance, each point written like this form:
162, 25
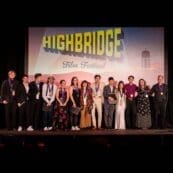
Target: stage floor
90, 132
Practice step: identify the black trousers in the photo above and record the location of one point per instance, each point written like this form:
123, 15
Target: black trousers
130, 113
10, 115
24, 114
74, 119
160, 115
34, 117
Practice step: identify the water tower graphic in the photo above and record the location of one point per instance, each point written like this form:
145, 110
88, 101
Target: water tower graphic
145, 58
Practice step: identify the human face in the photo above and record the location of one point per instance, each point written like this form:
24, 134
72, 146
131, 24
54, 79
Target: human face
111, 82
121, 86
84, 84
131, 80
97, 79
142, 83
75, 81
11, 75
160, 79
38, 79
51, 80
25, 80
63, 84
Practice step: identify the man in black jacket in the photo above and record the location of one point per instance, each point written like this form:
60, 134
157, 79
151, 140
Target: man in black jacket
23, 102
109, 103
160, 97
8, 93
35, 96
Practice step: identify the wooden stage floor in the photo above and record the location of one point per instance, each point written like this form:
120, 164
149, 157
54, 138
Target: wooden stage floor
120, 138
104, 132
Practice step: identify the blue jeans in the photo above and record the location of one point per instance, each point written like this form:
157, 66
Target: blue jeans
108, 114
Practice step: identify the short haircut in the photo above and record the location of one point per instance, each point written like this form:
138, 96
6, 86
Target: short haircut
50, 77
61, 81
110, 78
25, 75
11, 71
131, 76
37, 75
160, 76
97, 75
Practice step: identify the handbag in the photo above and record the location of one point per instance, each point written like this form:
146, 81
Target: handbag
113, 101
46, 108
75, 110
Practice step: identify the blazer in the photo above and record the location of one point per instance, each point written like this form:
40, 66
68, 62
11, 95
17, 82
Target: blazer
160, 95
101, 87
22, 95
33, 90
106, 92
6, 93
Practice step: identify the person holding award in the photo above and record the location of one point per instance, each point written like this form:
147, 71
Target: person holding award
109, 103
160, 97
131, 94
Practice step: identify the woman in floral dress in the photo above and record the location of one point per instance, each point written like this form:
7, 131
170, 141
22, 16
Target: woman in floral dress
143, 119
62, 97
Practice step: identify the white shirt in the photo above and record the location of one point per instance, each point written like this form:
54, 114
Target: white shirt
50, 96
84, 97
111, 87
26, 85
100, 89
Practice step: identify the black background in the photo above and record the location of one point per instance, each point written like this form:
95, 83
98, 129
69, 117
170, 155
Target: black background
14, 28
13, 37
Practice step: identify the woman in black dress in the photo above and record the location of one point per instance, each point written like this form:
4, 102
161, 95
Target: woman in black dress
143, 119
74, 103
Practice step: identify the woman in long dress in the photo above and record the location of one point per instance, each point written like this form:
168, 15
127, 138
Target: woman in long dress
143, 106
86, 101
74, 103
120, 106
62, 97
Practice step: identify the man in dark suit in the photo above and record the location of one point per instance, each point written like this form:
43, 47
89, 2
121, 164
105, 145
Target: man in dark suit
109, 103
35, 96
160, 97
8, 93
23, 102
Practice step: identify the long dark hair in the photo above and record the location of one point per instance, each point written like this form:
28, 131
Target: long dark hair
119, 83
145, 84
72, 80
85, 81
146, 87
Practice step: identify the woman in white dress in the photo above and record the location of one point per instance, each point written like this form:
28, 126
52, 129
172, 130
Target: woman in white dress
120, 106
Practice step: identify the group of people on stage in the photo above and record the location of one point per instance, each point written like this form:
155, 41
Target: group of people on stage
37, 105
